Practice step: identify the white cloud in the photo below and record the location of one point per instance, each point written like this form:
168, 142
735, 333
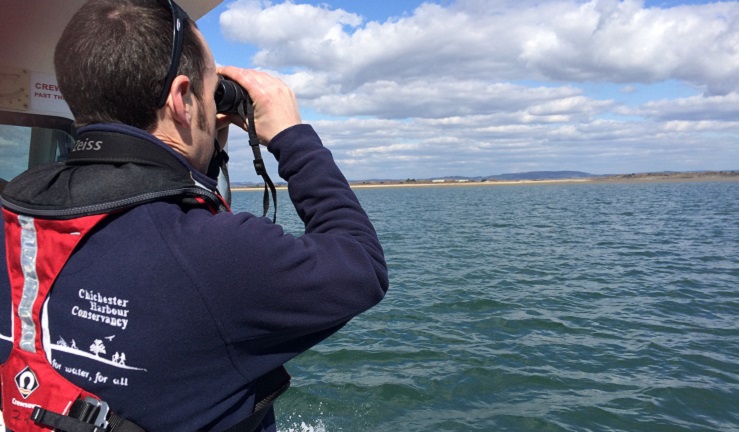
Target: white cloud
601, 40
697, 108
275, 25
481, 87
447, 98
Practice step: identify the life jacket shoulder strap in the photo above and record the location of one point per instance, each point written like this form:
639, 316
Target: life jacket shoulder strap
85, 415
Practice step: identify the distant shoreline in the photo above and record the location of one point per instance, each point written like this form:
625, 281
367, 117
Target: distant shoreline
623, 178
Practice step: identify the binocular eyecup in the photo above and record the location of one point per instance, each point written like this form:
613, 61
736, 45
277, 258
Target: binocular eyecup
230, 97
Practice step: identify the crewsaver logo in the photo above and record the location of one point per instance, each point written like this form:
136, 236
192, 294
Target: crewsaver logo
27, 382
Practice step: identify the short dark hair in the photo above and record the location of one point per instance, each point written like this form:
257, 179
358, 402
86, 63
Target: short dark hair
112, 58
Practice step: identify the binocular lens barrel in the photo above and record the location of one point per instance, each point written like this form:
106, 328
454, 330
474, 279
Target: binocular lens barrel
229, 96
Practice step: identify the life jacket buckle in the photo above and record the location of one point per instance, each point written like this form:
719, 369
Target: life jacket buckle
99, 410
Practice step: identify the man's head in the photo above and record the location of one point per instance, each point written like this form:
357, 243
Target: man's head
113, 56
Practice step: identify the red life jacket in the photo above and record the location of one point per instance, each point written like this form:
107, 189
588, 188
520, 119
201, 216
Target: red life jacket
36, 251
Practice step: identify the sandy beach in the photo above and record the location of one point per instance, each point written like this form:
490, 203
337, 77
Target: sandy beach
623, 178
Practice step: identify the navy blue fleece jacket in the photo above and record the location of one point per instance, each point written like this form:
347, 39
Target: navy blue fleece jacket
170, 313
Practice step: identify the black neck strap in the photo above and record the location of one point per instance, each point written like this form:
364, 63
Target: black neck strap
259, 162
116, 148
120, 148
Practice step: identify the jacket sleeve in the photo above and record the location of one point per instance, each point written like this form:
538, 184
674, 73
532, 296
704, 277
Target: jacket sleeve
276, 294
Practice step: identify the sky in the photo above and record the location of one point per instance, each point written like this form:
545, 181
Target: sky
410, 89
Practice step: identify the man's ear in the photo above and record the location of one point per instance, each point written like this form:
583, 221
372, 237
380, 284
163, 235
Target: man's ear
179, 101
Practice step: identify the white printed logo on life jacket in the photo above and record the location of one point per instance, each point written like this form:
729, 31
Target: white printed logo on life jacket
27, 382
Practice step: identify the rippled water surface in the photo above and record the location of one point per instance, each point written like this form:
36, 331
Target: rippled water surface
571, 307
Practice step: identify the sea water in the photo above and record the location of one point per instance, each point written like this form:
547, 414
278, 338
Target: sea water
564, 307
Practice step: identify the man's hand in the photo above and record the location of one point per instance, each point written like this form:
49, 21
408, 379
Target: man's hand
275, 105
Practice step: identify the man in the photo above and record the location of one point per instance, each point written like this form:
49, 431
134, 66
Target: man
160, 305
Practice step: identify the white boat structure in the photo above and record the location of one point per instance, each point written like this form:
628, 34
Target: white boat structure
36, 125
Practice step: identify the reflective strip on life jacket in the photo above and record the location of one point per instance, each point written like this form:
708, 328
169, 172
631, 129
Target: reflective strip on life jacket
28, 255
